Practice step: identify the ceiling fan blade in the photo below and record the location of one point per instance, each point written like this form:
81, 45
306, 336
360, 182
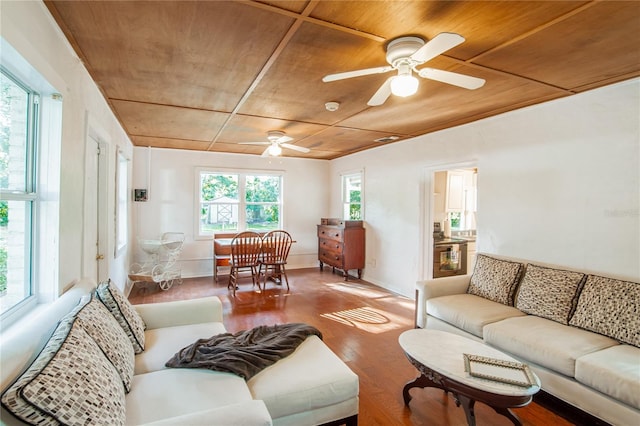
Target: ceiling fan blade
382, 94
295, 147
358, 73
437, 45
283, 139
265, 153
453, 78
254, 143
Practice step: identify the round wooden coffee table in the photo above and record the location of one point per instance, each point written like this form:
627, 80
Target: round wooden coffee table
438, 356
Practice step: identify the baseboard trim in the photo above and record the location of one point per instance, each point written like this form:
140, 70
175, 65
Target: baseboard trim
567, 411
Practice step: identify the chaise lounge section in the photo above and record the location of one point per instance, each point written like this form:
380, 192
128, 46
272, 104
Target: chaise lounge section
579, 332
126, 378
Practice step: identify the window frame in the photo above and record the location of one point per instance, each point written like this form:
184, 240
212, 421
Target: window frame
242, 202
28, 194
121, 203
346, 202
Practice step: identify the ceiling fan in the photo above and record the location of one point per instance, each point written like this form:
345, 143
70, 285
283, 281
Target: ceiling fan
277, 141
404, 54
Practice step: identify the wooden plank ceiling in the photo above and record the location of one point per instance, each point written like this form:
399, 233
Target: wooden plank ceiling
206, 75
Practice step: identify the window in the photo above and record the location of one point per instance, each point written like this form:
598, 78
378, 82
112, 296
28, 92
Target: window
18, 136
122, 203
352, 196
238, 201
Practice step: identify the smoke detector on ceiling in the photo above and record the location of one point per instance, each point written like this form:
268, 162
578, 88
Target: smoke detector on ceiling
332, 106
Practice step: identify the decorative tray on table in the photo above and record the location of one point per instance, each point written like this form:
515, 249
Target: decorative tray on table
499, 370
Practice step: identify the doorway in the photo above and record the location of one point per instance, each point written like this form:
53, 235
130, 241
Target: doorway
450, 218
94, 262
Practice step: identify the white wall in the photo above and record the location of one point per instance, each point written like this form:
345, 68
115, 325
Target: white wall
170, 177
557, 183
30, 29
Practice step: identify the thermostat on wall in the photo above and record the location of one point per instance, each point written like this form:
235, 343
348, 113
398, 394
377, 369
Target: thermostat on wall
140, 195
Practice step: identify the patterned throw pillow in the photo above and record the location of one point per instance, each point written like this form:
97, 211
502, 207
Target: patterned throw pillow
124, 313
103, 328
610, 307
71, 382
495, 279
549, 293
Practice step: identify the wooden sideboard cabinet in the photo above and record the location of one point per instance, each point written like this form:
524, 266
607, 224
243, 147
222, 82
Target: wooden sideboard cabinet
341, 245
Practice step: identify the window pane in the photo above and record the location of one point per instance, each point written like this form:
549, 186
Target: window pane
354, 212
352, 196
15, 225
216, 217
14, 113
218, 187
219, 203
263, 216
262, 189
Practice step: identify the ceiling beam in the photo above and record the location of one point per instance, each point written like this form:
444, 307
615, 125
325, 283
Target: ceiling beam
274, 56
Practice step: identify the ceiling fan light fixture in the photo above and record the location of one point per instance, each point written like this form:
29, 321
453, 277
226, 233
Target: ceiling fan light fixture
404, 85
275, 150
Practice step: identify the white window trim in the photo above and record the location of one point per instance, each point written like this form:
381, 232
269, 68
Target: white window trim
343, 179
241, 194
121, 203
45, 225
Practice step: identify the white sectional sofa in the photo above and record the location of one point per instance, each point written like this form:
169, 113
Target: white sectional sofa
580, 333
117, 386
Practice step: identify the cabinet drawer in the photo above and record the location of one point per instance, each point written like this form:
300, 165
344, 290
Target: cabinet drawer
331, 245
330, 258
331, 233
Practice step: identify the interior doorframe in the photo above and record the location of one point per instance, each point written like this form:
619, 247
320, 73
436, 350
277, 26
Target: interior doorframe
95, 134
427, 213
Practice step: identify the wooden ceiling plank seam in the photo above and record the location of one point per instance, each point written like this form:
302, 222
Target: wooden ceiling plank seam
535, 30
316, 21
606, 81
487, 114
133, 101
513, 75
272, 58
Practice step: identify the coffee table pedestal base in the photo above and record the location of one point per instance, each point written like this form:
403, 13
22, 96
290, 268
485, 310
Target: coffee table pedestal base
465, 395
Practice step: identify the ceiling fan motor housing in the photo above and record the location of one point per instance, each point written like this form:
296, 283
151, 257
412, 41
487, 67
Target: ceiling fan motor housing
400, 49
274, 135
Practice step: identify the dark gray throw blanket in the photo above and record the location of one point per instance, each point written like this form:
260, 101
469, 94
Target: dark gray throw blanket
246, 352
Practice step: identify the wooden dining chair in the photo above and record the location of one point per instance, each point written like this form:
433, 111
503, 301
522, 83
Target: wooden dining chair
275, 250
245, 253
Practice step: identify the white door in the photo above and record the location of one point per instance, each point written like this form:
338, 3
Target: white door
95, 264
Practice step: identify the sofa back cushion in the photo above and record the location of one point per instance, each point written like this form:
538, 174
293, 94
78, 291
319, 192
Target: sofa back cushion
103, 328
495, 279
70, 382
549, 293
124, 313
611, 307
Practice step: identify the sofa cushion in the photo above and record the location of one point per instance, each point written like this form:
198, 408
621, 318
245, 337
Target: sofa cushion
163, 343
124, 313
495, 279
70, 382
103, 328
289, 386
549, 293
611, 307
613, 371
544, 342
177, 392
469, 312
245, 413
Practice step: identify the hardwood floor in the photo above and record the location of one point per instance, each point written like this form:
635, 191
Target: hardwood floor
361, 323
